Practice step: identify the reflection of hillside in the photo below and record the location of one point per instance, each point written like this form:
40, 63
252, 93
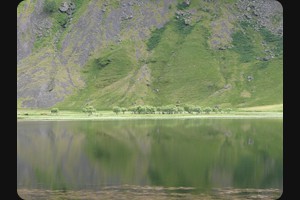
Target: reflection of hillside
192, 153
52, 156
119, 150
218, 154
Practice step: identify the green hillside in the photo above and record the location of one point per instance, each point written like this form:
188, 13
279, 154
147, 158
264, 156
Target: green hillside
197, 52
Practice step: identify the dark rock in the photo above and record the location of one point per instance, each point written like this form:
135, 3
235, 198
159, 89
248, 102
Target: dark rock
64, 7
72, 6
248, 16
228, 86
187, 2
69, 12
250, 78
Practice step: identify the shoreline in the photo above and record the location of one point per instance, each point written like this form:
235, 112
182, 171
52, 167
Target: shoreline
107, 115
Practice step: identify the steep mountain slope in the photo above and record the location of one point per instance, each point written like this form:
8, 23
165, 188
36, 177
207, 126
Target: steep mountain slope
126, 52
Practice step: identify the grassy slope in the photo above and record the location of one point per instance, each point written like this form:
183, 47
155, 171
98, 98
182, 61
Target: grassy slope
184, 69
105, 85
187, 71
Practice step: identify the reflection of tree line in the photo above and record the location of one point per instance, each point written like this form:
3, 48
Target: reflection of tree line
239, 161
200, 153
51, 155
174, 161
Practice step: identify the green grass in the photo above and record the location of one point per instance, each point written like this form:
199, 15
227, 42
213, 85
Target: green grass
155, 38
244, 46
183, 28
181, 66
184, 70
60, 24
21, 7
103, 76
274, 41
269, 108
182, 6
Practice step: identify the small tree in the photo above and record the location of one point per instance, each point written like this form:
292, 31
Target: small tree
188, 108
89, 109
180, 109
216, 109
227, 110
54, 110
207, 110
220, 110
158, 109
173, 109
116, 109
132, 110
197, 109
152, 109
141, 109
123, 110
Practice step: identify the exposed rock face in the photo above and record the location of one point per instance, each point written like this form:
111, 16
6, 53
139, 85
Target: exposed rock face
187, 2
50, 58
91, 32
265, 13
28, 28
68, 8
64, 7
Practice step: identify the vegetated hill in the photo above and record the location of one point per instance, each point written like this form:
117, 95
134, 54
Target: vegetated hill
125, 52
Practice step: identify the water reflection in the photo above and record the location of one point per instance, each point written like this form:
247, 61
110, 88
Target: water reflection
207, 155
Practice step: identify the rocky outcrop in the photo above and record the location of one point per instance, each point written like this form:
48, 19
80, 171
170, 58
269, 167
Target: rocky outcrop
263, 13
68, 8
52, 49
98, 25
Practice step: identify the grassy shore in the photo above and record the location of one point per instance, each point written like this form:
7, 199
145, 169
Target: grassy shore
39, 115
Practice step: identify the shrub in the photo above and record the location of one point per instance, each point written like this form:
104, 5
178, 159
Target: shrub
50, 6
132, 110
197, 109
188, 108
123, 110
243, 45
182, 6
116, 109
62, 19
180, 109
89, 109
273, 39
102, 62
183, 28
54, 110
155, 38
216, 109
150, 109
227, 110
207, 110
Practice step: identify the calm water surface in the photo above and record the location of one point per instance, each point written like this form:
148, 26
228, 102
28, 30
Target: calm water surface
150, 159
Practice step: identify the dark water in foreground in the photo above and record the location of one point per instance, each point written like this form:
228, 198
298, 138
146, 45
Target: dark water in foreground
151, 159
